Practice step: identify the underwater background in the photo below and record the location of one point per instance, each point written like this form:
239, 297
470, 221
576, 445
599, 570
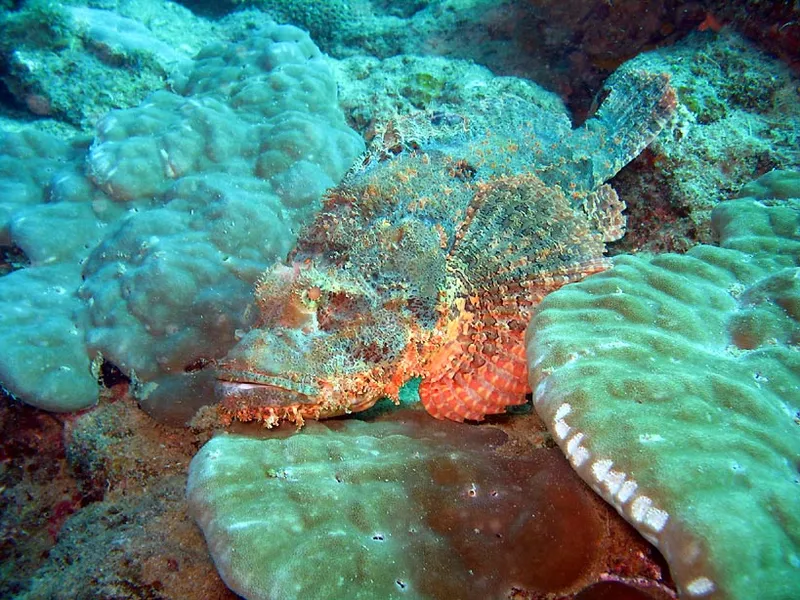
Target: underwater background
222, 221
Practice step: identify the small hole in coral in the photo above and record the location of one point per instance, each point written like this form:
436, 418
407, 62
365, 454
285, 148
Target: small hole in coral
110, 375
12, 258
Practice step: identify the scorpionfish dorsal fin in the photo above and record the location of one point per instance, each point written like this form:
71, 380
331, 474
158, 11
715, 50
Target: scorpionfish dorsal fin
519, 240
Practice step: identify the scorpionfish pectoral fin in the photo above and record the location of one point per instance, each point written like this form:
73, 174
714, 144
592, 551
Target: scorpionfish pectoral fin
473, 383
519, 240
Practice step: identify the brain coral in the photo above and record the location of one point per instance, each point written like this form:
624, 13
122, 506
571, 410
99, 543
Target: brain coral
410, 507
672, 382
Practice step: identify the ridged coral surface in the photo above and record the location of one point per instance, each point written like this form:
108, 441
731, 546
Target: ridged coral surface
671, 383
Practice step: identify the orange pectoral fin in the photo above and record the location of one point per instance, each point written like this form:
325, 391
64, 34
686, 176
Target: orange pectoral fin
483, 385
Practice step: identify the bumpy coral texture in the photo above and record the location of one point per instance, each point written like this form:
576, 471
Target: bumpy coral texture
411, 508
188, 197
428, 264
241, 158
44, 358
671, 383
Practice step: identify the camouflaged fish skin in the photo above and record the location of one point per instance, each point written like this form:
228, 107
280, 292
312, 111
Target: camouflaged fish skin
428, 259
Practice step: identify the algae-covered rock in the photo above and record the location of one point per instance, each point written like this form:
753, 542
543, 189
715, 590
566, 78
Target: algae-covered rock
432, 83
76, 63
738, 117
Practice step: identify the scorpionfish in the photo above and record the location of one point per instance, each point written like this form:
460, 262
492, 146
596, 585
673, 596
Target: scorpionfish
428, 259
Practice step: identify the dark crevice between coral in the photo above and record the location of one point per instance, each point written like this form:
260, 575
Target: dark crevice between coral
12, 258
111, 375
197, 365
208, 9
9, 102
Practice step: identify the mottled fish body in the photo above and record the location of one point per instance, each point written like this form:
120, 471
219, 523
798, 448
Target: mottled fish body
429, 258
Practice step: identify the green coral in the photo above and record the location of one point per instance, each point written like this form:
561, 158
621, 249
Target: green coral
407, 507
672, 384
775, 184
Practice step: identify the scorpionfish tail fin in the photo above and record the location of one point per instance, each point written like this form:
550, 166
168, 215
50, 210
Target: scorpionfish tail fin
635, 106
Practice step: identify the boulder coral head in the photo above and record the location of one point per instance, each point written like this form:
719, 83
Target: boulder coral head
428, 261
403, 508
173, 211
672, 385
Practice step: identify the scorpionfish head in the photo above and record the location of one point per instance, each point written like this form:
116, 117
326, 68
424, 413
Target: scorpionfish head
327, 344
